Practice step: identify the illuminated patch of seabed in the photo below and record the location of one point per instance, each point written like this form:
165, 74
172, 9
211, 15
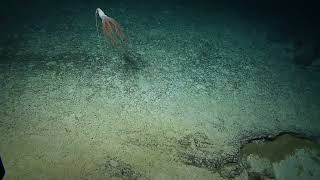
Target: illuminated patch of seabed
97, 133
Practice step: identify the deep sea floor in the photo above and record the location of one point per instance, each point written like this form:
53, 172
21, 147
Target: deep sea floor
191, 90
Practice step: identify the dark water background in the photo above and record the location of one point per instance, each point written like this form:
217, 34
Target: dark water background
294, 15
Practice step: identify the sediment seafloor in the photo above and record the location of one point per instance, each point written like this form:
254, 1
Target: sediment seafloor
174, 106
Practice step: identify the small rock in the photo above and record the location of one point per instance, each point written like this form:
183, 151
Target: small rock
113, 163
51, 63
231, 171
